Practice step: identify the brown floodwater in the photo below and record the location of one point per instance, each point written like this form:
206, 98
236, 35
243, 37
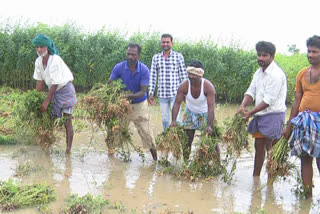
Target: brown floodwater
140, 188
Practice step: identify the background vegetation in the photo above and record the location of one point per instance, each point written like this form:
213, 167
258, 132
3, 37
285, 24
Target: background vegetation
91, 57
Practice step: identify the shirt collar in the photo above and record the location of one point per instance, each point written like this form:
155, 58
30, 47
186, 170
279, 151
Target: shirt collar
162, 53
269, 68
138, 69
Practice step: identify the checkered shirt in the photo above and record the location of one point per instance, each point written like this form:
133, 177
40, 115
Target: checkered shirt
306, 134
171, 72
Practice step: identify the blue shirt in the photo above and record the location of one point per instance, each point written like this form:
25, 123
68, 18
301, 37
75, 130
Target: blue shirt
132, 81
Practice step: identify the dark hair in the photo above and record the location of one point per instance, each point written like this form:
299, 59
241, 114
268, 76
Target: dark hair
267, 47
166, 35
134, 45
314, 41
196, 64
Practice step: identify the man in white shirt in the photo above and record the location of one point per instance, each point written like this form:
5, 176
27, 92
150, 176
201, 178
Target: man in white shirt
51, 70
268, 89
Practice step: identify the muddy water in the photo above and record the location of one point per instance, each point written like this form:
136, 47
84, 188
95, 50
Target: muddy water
141, 189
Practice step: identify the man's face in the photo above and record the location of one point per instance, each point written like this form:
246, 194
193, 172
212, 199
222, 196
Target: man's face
166, 43
132, 56
313, 55
264, 59
42, 51
193, 77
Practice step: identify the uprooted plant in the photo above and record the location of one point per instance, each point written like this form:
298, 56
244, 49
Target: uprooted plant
16, 195
31, 121
206, 162
173, 140
236, 138
278, 164
107, 106
85, 204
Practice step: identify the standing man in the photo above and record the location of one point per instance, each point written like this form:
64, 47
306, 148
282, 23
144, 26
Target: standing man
135, 75
169, 68
305, 115
268, 89
200, 102
51, 70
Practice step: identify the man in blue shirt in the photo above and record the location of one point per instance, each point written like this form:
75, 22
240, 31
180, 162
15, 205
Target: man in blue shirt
135, 75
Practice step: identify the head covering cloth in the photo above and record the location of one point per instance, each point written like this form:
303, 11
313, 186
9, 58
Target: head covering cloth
195, 71
43, 40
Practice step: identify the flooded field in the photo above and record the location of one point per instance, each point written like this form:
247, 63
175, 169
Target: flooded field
137, 187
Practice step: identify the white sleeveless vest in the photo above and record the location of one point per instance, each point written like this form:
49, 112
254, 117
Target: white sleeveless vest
199, 105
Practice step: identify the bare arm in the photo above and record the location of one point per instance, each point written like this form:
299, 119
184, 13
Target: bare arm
256, 109
46, 102
210, 92
247, 100
39, 85
182, 91
139, 94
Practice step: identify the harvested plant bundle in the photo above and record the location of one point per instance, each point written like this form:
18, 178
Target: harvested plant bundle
206, 162
174, 140
85, 204
107, 105
277, 164
15, 195
31, 120
236, 135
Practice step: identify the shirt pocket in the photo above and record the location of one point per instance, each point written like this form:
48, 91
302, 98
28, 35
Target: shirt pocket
173, 67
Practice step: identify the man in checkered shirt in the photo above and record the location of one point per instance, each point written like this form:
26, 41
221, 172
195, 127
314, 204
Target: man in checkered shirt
169, 68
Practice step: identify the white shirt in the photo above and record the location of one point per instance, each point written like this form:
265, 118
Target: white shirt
270, 87
56, 72
200, 104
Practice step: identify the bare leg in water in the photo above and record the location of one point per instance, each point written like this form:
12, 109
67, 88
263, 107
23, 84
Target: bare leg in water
69, 131
261, 145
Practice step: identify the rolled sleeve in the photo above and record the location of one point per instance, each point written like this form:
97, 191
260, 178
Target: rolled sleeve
252, 88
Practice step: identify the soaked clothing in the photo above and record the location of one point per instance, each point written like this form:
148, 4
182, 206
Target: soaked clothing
306, 134
64, 100
269, 125
193, 120
200, 104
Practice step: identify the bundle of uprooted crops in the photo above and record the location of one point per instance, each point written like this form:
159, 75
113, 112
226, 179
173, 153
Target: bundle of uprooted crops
236, 135
278, 164
15, 195
107, 105
174, 140
236, 138
85, 204
31, 120
206, 162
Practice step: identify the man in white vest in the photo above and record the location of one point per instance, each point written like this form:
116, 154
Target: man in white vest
200, 102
